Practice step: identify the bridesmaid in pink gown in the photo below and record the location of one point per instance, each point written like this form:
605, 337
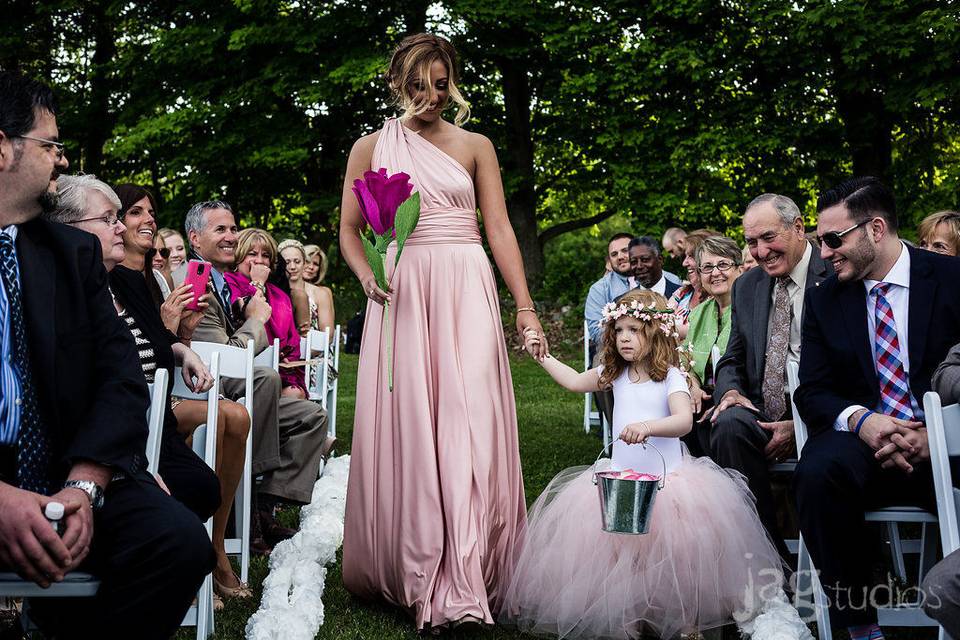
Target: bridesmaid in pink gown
435, 508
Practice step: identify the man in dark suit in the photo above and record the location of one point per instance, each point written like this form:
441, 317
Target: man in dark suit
872, 338
73, 405
751, 426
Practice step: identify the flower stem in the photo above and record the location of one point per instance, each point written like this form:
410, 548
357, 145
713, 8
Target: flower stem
386, 319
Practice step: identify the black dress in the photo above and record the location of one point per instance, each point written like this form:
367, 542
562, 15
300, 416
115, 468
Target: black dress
188, 477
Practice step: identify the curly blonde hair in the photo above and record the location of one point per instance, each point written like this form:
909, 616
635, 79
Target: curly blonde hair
661, 348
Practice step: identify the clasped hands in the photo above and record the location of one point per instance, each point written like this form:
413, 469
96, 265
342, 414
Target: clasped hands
534, 341
896, 443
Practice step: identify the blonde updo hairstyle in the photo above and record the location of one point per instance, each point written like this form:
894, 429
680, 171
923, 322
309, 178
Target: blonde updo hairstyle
411, 63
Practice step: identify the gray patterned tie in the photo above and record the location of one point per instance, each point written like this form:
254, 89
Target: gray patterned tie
33, 446
778, 341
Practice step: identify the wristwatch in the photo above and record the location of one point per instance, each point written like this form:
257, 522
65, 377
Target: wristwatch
89, 487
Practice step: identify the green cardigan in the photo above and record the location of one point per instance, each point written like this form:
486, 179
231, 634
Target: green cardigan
707, 329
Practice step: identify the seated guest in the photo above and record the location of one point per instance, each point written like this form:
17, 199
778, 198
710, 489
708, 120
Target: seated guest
749, 262
940, 232
289, 435
688, 296
174, 242
296, 257
674, 242
188, 477
611, 286
718, 264
646, 264
161, 264
872, 338
256, 256
77, 433
941, 593
314, 271
752, 425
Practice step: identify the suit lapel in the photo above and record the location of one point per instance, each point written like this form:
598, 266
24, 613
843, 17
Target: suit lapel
38, 290
923, 289
852, 301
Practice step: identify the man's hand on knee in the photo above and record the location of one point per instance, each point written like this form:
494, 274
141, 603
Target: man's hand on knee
781, 439
28, 543
730, 398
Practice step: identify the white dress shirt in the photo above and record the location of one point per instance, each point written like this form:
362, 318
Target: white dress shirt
898, 295
660, 286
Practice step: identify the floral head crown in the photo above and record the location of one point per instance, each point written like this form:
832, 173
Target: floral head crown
667, 318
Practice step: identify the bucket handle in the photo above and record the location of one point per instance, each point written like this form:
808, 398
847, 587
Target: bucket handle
663, 461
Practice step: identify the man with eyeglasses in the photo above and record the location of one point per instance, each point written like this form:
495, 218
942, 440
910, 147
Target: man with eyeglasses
873, 337
73, 405
751, 427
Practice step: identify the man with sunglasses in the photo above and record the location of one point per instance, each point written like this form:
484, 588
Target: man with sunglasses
73, 405
872, 338
751, 426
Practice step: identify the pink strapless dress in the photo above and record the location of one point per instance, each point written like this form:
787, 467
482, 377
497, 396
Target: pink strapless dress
435, 507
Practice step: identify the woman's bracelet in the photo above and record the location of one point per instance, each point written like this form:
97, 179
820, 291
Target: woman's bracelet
531, 309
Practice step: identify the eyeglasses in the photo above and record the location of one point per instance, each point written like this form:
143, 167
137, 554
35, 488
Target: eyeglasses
834, 239
109, 220
164, 252
722, 266
49, 144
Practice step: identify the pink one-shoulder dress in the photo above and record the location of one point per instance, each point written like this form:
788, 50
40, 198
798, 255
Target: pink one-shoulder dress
435, 508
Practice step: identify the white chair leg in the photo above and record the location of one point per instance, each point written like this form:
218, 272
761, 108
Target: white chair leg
803, 584
896, 551
824, 632
928, 550
245, 515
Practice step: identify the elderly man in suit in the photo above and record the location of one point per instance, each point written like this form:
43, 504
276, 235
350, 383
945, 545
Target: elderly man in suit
872, 338
73, 404
288, 434
751, 426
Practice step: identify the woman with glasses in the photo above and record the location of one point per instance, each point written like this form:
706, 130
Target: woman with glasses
173, 241
686, 298
160, 262
718, 260
940, 232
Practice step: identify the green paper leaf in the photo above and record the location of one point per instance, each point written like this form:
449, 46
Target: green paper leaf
382, 242
375, 261
408, 215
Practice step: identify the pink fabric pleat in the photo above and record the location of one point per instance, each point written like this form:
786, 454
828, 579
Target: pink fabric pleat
435, 508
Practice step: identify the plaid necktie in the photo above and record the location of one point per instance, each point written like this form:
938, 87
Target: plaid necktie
778, 341
33, 445
894, 386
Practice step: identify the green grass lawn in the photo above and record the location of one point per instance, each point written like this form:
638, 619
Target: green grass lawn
551, 438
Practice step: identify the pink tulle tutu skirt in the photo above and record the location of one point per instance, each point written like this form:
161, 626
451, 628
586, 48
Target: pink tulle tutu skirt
704, 562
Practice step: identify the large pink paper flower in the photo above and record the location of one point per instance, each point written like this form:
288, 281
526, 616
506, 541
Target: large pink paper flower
379, 196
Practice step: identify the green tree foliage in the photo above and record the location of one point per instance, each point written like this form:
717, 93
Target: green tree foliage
652, 114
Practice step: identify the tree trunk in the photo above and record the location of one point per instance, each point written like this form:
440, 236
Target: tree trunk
518, 166
100, 120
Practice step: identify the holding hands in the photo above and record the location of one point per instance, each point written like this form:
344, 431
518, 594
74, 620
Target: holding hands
533, 340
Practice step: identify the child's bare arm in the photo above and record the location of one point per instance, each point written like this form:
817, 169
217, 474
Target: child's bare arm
677, 424
565, 376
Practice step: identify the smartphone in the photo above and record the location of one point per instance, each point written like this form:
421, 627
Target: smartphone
198, 274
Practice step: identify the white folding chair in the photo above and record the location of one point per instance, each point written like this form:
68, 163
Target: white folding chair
591, 417
315, 350
332, 393
158, 402
907, 615
269, 357
238, 363
200, 615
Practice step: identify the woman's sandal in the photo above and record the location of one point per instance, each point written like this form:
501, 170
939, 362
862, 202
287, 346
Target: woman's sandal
242, 591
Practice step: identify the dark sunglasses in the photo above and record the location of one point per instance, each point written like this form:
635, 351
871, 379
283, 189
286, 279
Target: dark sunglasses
834, 239
164, 253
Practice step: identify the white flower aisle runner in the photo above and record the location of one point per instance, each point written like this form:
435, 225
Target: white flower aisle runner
292, 605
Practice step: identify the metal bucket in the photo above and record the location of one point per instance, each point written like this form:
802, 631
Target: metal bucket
626, 506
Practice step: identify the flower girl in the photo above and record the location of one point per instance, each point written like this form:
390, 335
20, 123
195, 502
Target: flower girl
706, 560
